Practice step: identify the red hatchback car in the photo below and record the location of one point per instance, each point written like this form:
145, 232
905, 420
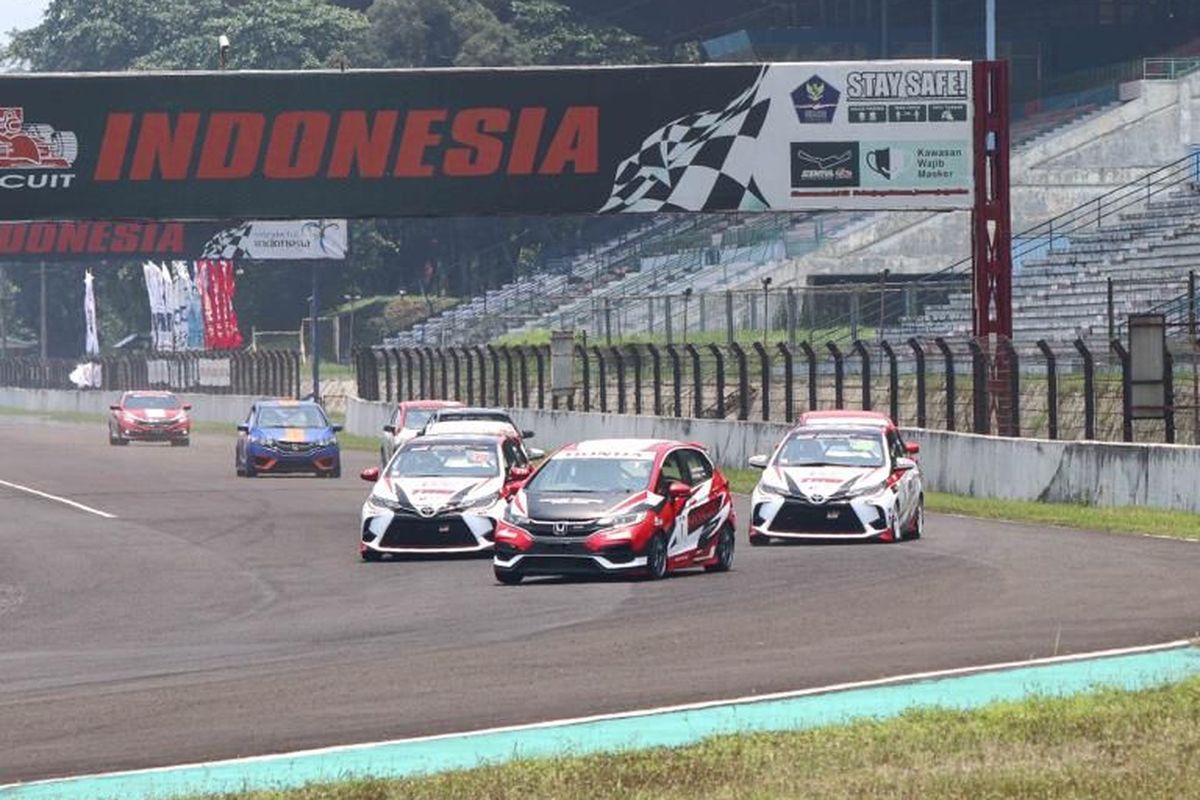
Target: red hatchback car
149, 417
611, 506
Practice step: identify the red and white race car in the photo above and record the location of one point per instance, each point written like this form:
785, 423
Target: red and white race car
610, 506
149, 417
839, 475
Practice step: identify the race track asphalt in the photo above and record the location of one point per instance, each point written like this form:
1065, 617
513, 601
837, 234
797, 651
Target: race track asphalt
219, 617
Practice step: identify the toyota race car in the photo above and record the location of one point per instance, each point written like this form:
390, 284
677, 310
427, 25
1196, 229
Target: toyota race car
406, 422
618, 505
287, 436
149, 417
853, 479
440, 494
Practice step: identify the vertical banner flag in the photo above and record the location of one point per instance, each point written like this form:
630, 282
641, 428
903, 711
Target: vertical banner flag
157, 312
92, 346
180, 297
195, 316
216, 283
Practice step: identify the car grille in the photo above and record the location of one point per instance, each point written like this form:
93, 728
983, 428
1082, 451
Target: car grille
561, 565
414, 531
570, 528
799, 517
295, 447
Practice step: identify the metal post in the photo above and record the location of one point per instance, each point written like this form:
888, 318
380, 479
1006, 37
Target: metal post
42, 314
313, 305
990, 11
607, 322
791, 317
1195, 352
854, 308
1112, 321
1089, 390
728, 317
883, 276
1051, 387
3, 314
935, 28
668, 326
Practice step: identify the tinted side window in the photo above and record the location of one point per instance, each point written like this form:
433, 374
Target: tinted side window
513, 456
671, 471
697, 469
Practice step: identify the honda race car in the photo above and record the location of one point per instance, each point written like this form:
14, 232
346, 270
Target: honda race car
440, 494
615, 506
828, 480
406, 422
149, 417
282, 436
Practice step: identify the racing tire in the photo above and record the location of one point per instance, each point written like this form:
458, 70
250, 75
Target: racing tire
336, 472
117, 441
759, 541
656, 557
918, 528
248, 471
370, 555
725, 546
509, 577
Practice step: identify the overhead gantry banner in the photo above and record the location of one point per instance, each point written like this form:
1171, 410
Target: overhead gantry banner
775, 137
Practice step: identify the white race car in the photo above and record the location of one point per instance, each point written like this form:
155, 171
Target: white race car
839, 481
440, 494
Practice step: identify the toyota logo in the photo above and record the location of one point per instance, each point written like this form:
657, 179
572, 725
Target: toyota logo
427, 511
817, 498
560, 529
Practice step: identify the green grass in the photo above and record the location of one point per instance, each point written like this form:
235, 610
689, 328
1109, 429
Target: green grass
1112, 519
1105, 744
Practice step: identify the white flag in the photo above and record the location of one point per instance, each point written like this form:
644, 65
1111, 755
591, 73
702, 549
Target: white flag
180, 297
92, 346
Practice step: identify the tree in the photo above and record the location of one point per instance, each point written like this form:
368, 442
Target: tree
556, 34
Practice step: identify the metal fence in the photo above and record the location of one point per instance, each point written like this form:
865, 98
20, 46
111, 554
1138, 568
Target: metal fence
1079, 390
275, 373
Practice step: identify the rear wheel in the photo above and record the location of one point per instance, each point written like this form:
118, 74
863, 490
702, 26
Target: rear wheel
656, 557
724, 552
370, 555
509, 577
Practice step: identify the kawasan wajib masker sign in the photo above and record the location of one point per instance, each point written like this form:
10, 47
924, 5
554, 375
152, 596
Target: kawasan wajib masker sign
284, 145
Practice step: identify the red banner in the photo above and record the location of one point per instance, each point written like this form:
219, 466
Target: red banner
217, 290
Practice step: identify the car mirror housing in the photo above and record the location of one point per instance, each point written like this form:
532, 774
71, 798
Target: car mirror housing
526, 434
370, 474
536, 454
912, 448
187, 406
905, 464
244, 427
389, 428
679, 490
758, 462
114, 408
335, 428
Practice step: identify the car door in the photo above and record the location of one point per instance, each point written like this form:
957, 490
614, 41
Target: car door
670, 472
704, 506
906, 494
244, 436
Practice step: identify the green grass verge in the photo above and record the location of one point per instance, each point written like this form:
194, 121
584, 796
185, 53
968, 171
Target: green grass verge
1105, 744
1118, 519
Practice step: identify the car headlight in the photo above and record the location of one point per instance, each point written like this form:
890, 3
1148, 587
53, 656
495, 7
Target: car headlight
329, 441
263, 442
621, 520
766, 487
379, 501
864, 491
482, 502
514, 517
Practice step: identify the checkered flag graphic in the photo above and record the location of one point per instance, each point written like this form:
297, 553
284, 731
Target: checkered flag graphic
699, 162
228, 243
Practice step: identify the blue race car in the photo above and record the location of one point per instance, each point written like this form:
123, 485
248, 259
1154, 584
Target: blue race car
287, 436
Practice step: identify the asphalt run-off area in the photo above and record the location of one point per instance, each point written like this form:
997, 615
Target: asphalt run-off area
208, 617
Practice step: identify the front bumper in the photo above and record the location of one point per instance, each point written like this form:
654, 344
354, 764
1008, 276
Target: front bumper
278, 459
141, 432
566, 555
866, 517
400, 531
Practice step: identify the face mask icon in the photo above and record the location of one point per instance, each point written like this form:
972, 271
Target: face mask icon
884, 163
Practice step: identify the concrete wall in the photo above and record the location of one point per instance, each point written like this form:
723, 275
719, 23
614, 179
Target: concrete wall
1099, 473
229, 408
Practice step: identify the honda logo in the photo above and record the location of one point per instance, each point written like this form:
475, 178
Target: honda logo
560, 529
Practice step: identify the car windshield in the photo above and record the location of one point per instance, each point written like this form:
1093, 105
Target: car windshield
473, 416
429, 460
291, 417
583, 474
151, 401
832, 448
415, 418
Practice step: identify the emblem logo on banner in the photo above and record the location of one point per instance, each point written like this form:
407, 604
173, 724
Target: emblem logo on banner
815, 100
32, 148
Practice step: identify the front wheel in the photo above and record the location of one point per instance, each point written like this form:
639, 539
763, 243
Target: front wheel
656, 557
724, 560
918, 525
509, 577
757, 540
370, 555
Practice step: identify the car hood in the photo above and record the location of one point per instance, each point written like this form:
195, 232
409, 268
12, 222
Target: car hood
436, 492
298, 435
552, 506
825, 482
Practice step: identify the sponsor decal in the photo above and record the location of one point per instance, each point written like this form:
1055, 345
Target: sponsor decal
824, 164
33, 154
92, 238
815, 100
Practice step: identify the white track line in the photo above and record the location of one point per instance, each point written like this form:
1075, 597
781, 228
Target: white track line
57, 499
757, 698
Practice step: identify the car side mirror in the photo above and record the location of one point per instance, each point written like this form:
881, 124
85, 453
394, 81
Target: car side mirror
678, 490
905, 464
187, 406
370, 474
526, 434
535, 454
244, 427
519, 473
912, 448
114, 408
389, 428
336, 428
758, 462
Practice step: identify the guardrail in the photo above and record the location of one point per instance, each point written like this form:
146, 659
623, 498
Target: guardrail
265, 372
1080, 390
1168, 68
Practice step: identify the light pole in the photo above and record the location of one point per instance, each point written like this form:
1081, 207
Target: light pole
766, 284
351, 299
687, 297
